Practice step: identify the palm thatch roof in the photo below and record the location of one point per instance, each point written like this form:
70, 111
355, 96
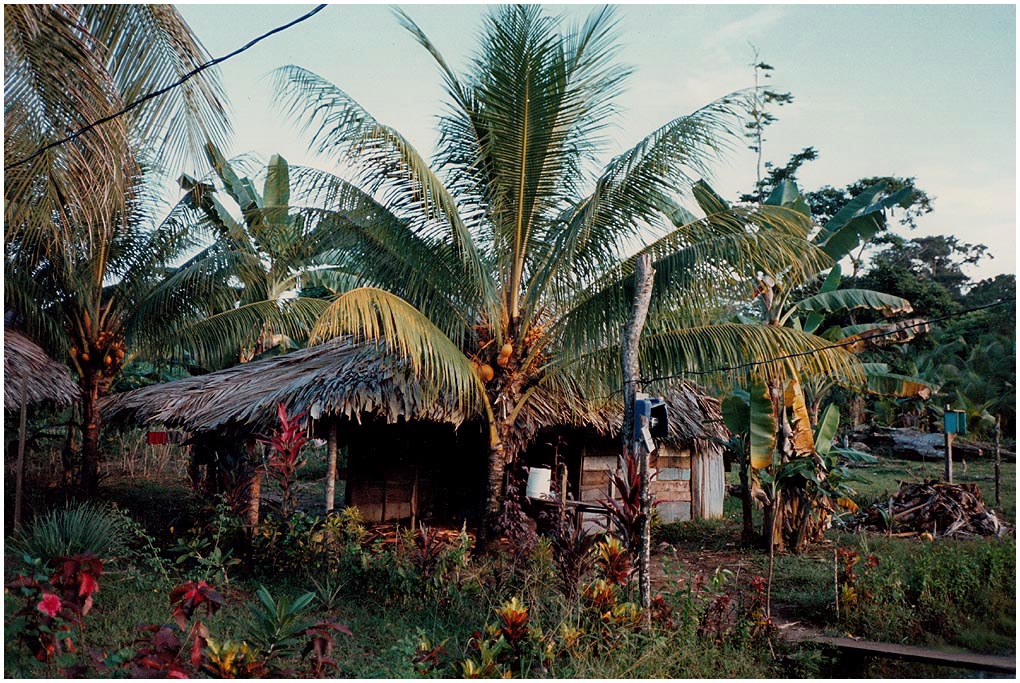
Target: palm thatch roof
31, 376
338, 378
693, 415
345, 379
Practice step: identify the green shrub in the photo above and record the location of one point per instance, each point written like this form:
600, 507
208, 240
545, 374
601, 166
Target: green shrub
76, 529
277, 625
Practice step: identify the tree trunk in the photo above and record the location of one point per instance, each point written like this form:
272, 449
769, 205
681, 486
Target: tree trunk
488, 533
643, 280
88, 474
772, 524
67, 453
748, 535
20, 471
254, 500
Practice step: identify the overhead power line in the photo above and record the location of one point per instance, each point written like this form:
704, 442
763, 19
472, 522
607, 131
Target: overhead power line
166, 89
798, 354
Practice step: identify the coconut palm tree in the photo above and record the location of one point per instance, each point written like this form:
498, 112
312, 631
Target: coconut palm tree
504, 269
79, 243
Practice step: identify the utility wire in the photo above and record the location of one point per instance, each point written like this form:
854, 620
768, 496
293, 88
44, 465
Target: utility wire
837, 345
799, 354
161, 91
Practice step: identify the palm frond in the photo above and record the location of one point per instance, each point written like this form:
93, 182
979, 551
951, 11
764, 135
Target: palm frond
374, 315
847, 299
883, 382
719, 350
387, 164
218, 338
150, 46
693, 265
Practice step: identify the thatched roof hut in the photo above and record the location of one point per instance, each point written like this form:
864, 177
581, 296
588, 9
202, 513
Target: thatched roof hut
693, 416
349, 380
404, 455
33, 377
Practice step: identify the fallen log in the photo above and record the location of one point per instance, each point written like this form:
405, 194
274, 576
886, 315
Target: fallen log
909, 444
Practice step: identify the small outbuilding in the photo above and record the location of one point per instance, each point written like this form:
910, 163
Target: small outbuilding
687, 466
31, 377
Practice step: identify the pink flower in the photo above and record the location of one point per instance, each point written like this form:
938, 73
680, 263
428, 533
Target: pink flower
50, 604
88, 585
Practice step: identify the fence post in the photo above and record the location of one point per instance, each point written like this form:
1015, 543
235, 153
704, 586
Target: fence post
949, 452
998, 465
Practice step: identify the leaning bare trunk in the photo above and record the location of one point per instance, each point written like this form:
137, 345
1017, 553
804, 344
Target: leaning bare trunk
88, 474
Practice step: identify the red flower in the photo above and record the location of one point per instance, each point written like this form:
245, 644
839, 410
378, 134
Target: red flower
50, 604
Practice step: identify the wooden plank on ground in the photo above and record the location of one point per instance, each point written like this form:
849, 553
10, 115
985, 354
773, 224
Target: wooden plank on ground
912, 653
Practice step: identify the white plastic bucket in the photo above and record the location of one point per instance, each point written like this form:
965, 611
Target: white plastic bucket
538, 482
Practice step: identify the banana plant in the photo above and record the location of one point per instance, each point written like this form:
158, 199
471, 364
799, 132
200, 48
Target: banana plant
748, 417
787, 470
256, 269
851, 228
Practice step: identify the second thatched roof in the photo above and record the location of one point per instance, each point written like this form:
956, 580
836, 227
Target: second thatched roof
349, 380
32, 376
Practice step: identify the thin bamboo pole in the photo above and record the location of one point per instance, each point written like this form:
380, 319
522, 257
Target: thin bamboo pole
20, 472
998, 464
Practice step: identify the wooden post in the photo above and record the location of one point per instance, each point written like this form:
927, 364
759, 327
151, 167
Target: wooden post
949, 458
331, 466
254, 490
643, 280
949, 453
998, 465
19, 475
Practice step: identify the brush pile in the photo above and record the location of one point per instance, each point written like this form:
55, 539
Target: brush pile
932, 507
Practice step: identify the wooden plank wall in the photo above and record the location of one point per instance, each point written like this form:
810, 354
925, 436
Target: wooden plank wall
671, 486
709, 484
396, 471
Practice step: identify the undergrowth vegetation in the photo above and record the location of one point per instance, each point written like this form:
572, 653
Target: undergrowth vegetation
326, 598
90, 591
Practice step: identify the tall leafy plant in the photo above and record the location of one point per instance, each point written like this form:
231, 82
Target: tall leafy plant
285, 458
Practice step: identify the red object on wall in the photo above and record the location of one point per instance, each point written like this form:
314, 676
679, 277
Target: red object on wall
156, 438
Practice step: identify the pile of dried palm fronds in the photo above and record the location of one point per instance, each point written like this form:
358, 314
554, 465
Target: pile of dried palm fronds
934, 508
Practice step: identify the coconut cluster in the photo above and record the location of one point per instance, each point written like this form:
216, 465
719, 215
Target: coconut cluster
103, 354
484, 360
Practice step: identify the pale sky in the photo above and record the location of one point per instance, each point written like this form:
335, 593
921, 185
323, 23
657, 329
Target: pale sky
927, 91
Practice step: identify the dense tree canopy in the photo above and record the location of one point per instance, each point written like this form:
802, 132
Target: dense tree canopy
80, 247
